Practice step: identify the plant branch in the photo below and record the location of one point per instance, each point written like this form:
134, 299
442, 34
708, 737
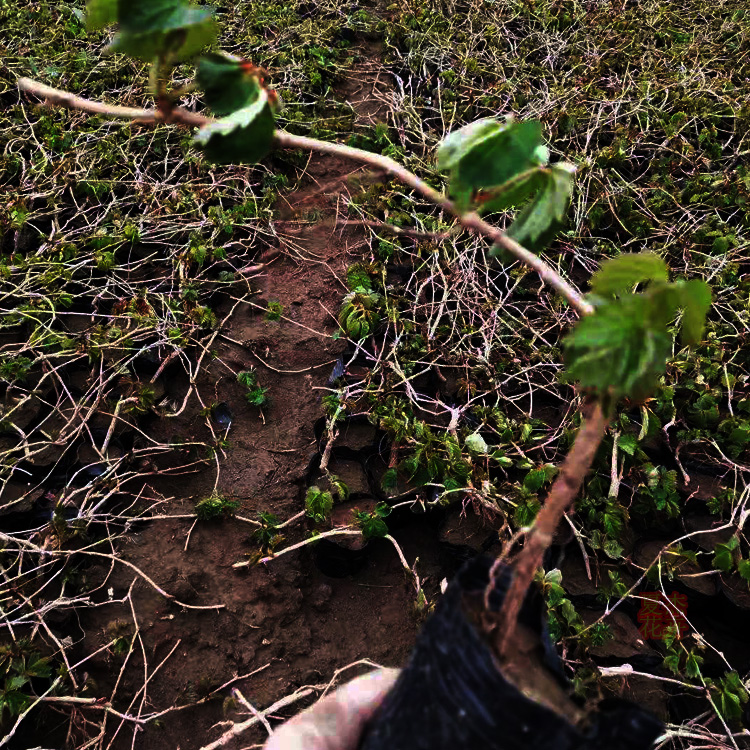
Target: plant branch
469, 221
166, 112
562, 495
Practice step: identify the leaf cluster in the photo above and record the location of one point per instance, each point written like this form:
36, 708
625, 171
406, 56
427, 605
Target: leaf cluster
318, 504
255, 394
372, 524
267, 534
165, 32
494, 166
621, 350
215, 506
360, 312
728, 557
19, 665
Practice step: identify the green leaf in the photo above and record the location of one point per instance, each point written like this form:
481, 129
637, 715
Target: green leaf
743, 568
383, 510
458, 143
613, 549
617, 350
150, 28
619, 275
628, 444
535, 479
723, 558
372, 524
493, 165
389, 480
513, 193
672, 663
100, 13
476, 444
500, 155
339, 486
695, 300
541, 219
244, 137
318, 505
693, 665
226, 85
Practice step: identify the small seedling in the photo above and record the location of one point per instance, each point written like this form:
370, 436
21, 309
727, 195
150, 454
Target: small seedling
318, 504
275, 311
19, 664
215, 506
372, 524
267, 535
255, 395
360, 313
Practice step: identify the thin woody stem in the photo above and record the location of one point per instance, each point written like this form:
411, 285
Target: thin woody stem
562, 495
470, 221
165, 112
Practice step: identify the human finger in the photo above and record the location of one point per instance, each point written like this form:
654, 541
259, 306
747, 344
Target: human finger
336, 722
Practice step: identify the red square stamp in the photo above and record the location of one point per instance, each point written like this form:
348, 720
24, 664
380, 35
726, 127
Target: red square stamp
659, 612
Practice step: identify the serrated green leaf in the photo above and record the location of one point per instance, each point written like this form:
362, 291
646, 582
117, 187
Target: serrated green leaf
458, 143
613, 549
695, 300
244, 137
372, 525
16, 682
383, 510
100, 13
621, 274
618, 350
628, 444
498, 156
743, 568
692, 665
318, 504
226, 85
150, 28
723, 558
672, 663
542, 218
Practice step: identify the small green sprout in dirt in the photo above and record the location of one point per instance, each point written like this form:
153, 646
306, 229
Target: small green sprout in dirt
215, 506
275, 310
372, 524
360, 313
19, 664
120, 632
255, 395
318, 504
267, 534
15, 368
678, 659
729, 696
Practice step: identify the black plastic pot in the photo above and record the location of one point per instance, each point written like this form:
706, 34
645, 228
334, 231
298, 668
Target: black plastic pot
451, 696
222, 416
